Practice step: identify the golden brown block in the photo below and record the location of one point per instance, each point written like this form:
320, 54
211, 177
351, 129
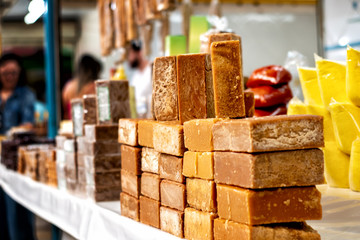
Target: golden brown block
169, 138
103, 163
254, 207
228, 80
129, 206
145, 133
89, 104
128, 131
198, 225
249, 104
210, 108
201, 194
172, 221
172, 194
265, 134
150, 160
171, 168
191, 80
199, 165
101, 148
130, 183
150, 186
228, 230
270, 170
131, 159
150, 212
219, 37
165, 89
198, 134
95, 133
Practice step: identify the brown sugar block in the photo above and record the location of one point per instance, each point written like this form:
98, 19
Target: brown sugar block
171, 168
165, 92
70, 145
95, 133
150, 185
265, 134
70, 160
218, 37
172, 221
198, 224
59, 142
169, 138
249, 104
77, 112
254, 207
89, 106
103, 194
112, 101
270, 170
150, 212
145, 133
81, 175
128, 131
102, 163
130, 183
198, 134
101, 147
131, 159
228, 80
81, 142
150, 160
172, 194
210, 107
201, 194
226, 230
191, 80
129, 206
103, 179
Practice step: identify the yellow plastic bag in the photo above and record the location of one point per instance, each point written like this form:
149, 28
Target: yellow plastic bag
354, 169
353, 75
310, 86
296, 107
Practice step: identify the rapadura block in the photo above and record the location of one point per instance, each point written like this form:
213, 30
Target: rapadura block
77, 112
101, 148
249, 101
173, 194
210, 104
103, 194
70, 145
130, 206
102, 163
198, 224
171, 168
227, 230
59, 142
145, 133
226, 60
150, 185
169, 138
165, 89
219, 37
276, 205
150, 212
81, 143
131, 159
199, 165
128, 131
89, 106
201, 194
101, 132
130, 183
264, 134
103, 179
70, 160
150, 159
270, 170
172, 221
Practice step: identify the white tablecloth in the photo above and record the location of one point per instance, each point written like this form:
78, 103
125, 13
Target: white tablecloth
85, 219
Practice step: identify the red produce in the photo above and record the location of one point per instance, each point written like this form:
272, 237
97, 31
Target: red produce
268, 76
267, 96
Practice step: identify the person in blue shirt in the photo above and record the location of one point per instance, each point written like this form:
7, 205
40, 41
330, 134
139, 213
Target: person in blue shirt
16, 109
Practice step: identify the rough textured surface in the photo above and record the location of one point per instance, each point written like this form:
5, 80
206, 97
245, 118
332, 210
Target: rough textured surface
254, 207
172, 221
199, 165
264, 134
191, 80
130, 183
89, 105
165, 92
228, 80
150, 212
150, 160
131, 159
99, 148
103, 194
169, 138
101, 132
128, 131
129, 206
249, 104
201, 194
228, 230
171, 168
102, 163
103, 179
172, 194
210, 108
150, 186
219, 37
270, 170
145, 133
198, 225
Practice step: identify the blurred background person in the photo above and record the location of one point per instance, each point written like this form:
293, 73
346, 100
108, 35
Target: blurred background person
88, 70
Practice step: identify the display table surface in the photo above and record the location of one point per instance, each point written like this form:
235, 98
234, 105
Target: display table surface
84, 219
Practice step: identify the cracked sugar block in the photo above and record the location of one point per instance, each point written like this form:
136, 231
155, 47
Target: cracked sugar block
276, 205
89, 106
128, 131
226, 60
131, 159
150, 185
199, 165
352, 75
130, 183
172, 221
102, 163
77, 111
228, 230
191, 80
165, 89
272, 133
146, 132
198, 134
310, 86
150, 212
150, 159
171, 168
129, 206
198, 225
173, 194
169, 138
270, 170
95, 133
201, 194
112, 101
249, 102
